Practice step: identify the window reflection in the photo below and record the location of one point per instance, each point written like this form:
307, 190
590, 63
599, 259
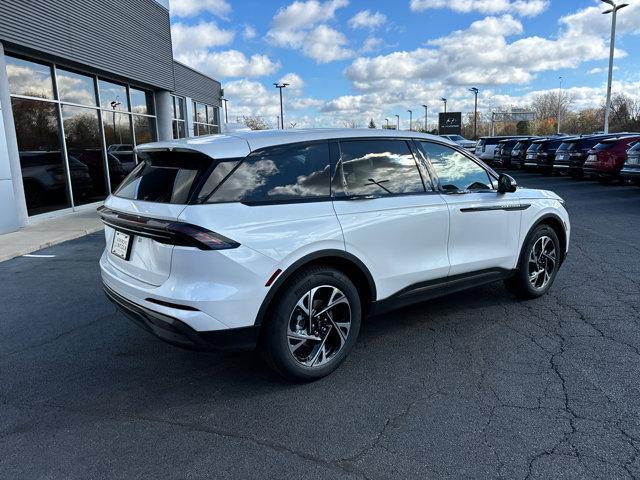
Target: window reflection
178, 129
84, 150
41, 157
119, 140
141, 101
379, 167
282, 173
144, 129
113, 96
454, 170
75, 88
29, 78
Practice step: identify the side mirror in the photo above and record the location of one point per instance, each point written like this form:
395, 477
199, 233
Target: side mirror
506, 184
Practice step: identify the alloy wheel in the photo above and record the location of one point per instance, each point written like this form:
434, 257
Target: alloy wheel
542, 262
319, 326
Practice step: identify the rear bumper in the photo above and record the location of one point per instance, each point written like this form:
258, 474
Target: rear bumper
629, 173
178, 333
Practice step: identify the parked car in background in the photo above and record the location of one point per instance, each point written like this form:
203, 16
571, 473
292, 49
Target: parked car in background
631, 168
502, 154
519, 151
463, 142
573, 155
485, 148
606, 159
541, 153
289, 238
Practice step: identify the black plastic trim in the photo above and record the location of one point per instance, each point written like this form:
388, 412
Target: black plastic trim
319, 255
178, 333
422, 291
506, 208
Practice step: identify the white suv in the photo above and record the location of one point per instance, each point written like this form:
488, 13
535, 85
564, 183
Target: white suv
288, 239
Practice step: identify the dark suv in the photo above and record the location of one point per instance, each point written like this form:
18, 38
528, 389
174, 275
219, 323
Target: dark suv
573, 156
502, 154
519, 151
541, 153
606, 159
631, 168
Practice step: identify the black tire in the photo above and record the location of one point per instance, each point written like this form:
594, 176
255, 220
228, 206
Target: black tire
520, 284
274, 341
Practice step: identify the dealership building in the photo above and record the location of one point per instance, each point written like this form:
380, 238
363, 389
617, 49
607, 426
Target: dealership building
81, 84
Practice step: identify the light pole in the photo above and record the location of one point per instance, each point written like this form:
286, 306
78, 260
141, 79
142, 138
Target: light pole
426, 117
114, 104
387, 120
226, 110
280, 86
397, 122
445, 112
559, 103
445, 104
410, 120
475, 112
614, 11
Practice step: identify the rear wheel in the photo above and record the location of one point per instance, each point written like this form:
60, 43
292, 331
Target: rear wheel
313, 325
539, 263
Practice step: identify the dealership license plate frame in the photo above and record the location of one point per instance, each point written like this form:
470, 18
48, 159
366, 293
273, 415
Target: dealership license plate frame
121, 245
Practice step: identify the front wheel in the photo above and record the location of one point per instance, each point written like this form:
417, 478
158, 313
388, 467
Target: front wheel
314, 324
538, 266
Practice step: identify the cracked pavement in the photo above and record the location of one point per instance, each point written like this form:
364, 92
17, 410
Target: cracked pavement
474, 385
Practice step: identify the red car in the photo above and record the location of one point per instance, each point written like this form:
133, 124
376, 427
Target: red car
606, 159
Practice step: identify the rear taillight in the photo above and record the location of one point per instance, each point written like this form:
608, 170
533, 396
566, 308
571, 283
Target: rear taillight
166, 231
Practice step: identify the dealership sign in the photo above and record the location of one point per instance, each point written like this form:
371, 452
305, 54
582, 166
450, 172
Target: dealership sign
450, 123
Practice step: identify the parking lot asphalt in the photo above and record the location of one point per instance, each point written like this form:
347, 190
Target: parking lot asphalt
474, 385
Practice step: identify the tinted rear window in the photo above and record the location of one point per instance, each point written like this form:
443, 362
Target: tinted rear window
601, 147
276, 174
563, 147
170, 177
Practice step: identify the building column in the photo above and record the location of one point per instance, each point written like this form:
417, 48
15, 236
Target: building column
164, 113
188, 111
14, 205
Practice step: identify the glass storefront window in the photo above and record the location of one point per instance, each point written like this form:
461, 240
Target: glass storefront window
144, 129
113, 96
141, 101
29, 78
84, 150
179, 111
119, 140
75, 87
200, 113
41, 157
179, 130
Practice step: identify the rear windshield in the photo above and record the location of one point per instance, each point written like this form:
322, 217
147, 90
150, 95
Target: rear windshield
534, 147
174, 177
635, 148
601, 147
564, 147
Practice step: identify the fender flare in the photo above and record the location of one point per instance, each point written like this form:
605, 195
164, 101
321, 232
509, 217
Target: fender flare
305, 260
535, 224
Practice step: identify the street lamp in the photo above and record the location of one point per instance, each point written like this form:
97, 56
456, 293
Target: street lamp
445, 104
559, 103
387, 120
613, 10
410, 120
475, 91
114, 104
280, 86
397, 122
426, 111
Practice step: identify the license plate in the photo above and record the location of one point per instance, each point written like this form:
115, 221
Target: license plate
633, 160
591, 158
560, 157
121, 246
530, 155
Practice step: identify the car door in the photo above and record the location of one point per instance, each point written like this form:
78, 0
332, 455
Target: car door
484, 227
391, 216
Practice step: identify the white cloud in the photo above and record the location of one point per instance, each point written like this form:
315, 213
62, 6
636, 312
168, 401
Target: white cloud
294, 80
526, 8
203, 35
301, 26
371, 44
249, 33
191, 8
597, 70
367, 19
229, 63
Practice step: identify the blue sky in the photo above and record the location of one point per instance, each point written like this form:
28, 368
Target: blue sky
351, 60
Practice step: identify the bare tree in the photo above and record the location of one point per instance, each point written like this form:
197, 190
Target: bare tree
351, 124
255, 123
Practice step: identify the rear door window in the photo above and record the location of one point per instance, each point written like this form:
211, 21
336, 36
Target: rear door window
279, 174
377, 167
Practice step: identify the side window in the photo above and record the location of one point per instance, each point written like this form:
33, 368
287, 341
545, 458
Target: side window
286, 172
377, 167
455, 171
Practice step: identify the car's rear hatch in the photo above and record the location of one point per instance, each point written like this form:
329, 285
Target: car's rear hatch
145, 211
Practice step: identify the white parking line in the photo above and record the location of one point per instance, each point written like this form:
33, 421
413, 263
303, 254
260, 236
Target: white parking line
38, 256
